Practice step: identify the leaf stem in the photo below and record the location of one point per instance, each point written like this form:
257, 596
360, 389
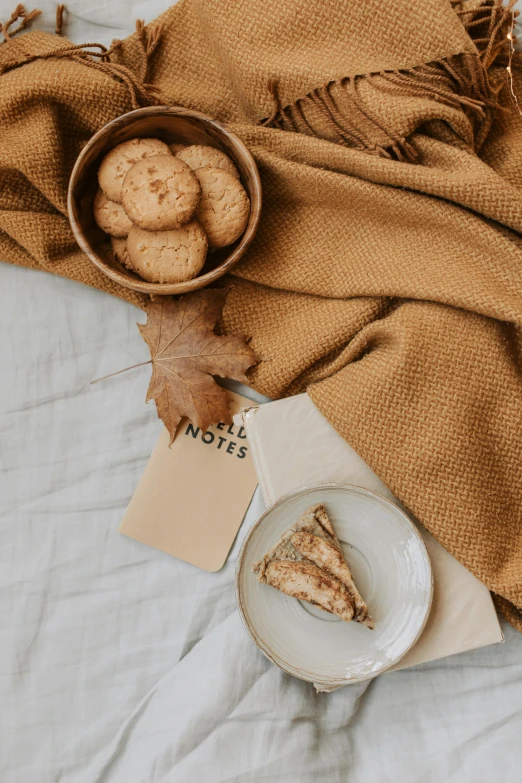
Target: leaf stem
119, 371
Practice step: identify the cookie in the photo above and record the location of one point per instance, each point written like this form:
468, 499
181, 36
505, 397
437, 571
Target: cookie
110, 216
167, 256
160, 193
198, 156
116, 164
175, 148
119, 248
224, 207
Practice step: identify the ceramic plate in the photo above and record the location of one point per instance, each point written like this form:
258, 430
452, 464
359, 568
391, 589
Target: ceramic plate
390, 566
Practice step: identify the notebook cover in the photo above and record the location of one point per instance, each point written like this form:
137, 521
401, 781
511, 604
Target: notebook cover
192, 497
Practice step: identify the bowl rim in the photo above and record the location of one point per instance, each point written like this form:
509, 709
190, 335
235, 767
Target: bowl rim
330, 683
200, 281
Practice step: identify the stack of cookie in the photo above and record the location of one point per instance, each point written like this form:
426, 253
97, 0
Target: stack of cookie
164, 206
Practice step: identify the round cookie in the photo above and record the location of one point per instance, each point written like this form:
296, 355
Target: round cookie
110, 216
119, 248
175, 148
167, 256
160, 193
224, 207
198, 155
118, 161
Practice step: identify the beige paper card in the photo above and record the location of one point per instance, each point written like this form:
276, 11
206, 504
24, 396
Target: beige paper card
192, 498
293, 446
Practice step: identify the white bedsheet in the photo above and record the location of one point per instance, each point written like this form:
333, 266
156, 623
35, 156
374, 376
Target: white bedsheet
119, 664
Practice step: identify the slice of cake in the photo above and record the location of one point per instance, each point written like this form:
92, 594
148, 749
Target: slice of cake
308, 563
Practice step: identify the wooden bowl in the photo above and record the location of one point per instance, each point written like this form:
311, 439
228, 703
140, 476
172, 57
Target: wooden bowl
170, 124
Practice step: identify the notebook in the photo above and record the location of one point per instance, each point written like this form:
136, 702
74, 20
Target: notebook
192, 497
294, 446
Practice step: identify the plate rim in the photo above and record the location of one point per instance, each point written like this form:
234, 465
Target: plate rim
332, 682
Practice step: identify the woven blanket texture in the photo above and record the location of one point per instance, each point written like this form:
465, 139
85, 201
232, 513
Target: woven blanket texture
386, 275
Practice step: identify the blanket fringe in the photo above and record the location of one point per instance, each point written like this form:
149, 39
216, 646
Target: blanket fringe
94, 55
18, 13
149, 40
60, 10
339, 111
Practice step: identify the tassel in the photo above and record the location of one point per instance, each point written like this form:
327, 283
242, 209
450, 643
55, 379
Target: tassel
338, 112
140, 93
60, 9
18, 13
149, 42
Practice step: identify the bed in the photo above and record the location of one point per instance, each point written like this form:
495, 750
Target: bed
119, 664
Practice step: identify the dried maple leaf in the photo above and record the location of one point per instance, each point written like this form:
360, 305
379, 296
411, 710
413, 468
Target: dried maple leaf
186, 353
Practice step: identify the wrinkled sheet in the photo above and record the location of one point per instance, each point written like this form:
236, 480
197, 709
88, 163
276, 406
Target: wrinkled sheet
120, 664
